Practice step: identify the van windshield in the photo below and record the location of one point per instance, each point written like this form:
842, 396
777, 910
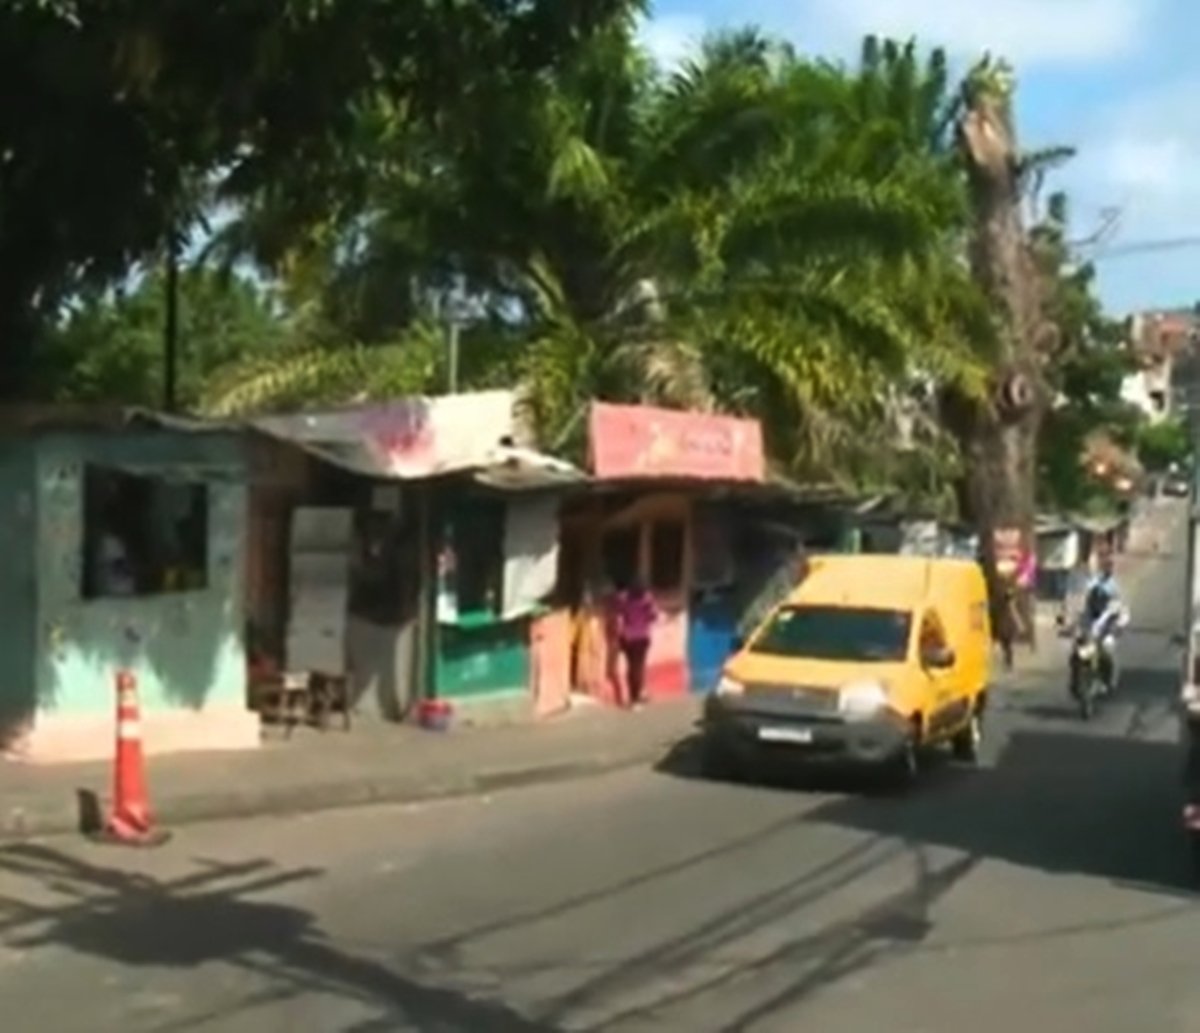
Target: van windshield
840, 633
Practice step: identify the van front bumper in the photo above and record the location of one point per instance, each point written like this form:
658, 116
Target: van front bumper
762, 731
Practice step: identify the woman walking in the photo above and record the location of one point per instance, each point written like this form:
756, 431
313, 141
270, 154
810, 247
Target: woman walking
635, 616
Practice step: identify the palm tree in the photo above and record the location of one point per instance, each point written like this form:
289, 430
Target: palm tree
825, 228
734, 235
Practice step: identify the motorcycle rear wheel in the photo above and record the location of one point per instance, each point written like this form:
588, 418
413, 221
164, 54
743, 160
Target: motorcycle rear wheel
1087, 700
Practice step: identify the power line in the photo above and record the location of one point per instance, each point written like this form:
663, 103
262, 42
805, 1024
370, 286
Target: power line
1145, 247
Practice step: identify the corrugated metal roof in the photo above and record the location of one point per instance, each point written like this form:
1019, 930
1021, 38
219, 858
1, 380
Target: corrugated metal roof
30, 419
507, 468
503, 477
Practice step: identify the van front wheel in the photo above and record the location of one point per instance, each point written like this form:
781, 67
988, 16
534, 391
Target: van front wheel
905, 767
966, 745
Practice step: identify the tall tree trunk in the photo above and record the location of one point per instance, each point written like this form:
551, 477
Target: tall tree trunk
19, 332
1000, 436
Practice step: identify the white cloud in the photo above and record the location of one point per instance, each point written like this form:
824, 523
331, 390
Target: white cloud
673, 38
1143, 155
1148, 165
1026, 32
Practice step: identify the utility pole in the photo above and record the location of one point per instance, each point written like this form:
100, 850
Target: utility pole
452, 313
452, 349
171, 323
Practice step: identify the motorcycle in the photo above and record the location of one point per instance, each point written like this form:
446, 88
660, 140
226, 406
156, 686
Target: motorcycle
1090, 681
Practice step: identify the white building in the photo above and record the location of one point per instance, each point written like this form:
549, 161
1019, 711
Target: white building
1158, 339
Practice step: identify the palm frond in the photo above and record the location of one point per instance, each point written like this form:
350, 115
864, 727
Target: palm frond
324, 377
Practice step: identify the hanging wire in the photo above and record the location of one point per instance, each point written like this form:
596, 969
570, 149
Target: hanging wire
1140, 247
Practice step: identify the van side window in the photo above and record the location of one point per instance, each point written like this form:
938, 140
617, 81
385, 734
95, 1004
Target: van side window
933, 635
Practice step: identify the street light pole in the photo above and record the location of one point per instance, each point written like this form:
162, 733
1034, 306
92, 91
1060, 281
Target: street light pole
452, 330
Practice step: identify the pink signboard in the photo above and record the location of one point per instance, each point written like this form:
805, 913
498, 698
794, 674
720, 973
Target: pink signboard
640, 441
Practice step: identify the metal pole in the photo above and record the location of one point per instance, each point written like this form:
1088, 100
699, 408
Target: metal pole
452, 345
171, 325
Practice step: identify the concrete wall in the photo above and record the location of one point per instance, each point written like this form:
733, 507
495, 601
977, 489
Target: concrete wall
186, 648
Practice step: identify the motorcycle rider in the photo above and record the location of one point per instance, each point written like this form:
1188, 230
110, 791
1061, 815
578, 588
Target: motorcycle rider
1104, 616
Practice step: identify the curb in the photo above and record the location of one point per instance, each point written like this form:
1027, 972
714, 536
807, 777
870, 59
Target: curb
63, 818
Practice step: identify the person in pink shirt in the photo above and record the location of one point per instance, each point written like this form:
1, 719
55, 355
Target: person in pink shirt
1027, 570
635, 614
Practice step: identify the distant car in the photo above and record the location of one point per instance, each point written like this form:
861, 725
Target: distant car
1176, 487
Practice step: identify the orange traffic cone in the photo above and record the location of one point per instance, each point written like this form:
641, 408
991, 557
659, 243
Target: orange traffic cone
130, 822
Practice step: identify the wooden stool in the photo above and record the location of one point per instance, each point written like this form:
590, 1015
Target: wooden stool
327, 693
283, 698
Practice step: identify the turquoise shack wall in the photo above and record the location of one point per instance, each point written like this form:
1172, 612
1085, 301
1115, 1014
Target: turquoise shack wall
18, 606
476, 654
186, 648
482, 657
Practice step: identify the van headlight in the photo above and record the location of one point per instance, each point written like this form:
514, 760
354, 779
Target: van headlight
729, 686
862, 699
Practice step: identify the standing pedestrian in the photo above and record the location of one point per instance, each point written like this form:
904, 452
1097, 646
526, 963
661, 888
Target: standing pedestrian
635, 617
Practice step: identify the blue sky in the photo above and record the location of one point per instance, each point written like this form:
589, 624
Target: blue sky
1117, 79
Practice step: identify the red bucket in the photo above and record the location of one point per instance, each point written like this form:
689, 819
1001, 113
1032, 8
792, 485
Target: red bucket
435, 715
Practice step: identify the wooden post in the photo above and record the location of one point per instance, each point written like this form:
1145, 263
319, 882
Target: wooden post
424, 654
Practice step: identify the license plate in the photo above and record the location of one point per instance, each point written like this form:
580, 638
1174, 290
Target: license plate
789, 735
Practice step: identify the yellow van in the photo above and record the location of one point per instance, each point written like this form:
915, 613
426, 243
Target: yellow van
871, 660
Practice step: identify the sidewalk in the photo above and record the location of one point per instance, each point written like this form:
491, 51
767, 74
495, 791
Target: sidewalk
370, 764
373, 763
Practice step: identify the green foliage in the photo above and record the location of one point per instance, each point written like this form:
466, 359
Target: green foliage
1088, 363
757, 232
1165, 444
132, 113
108, 348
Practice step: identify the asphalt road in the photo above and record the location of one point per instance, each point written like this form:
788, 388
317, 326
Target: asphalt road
1047, 891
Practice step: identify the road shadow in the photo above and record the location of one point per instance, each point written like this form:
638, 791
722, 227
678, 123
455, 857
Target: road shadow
684, 759
1145, 701
717, 948
1100, 798
1096, 805
762, 945
814, 960
211, 915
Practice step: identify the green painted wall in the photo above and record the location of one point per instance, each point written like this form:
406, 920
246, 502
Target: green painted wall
18, 592
186, 648
482, 659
